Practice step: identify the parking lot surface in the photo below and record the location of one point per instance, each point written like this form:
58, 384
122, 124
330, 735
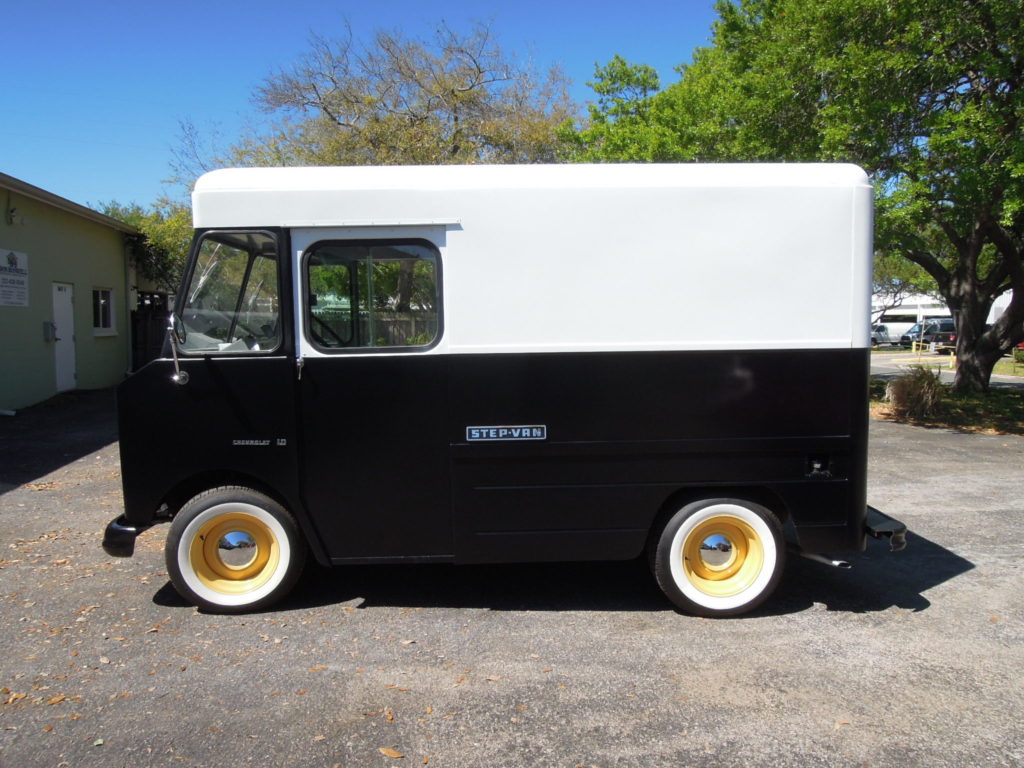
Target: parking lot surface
909, 659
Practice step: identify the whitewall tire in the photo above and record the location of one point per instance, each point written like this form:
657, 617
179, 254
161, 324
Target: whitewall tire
233, 549
719, 557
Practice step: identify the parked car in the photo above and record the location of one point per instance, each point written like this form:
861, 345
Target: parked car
913, 334
929, 331
944, 337
880, 335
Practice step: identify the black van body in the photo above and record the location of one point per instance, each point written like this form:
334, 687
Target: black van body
300, 413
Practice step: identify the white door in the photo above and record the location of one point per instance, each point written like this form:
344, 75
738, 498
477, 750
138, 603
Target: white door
64, 335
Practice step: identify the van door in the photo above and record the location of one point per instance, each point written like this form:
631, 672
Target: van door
231, 420
373, 396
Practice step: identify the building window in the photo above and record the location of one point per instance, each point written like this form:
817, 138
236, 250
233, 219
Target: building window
103, 312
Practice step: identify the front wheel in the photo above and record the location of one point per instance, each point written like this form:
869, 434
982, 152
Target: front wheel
719, 557
233, 549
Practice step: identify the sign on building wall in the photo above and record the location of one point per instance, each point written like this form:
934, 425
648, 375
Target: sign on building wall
13, 278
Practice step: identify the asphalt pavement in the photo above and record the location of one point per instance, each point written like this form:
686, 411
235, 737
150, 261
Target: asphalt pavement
909, 659
887, 363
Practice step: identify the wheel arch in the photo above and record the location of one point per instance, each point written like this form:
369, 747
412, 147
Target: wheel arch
757, 494
192, 486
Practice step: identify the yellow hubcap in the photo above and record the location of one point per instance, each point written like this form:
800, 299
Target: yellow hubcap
234, 553
722, 556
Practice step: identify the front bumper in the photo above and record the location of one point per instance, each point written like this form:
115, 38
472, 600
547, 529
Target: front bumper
881, 526
119, 537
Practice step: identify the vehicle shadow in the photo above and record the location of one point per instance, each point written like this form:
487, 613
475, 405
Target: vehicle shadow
879, 580
54, 433
604, 586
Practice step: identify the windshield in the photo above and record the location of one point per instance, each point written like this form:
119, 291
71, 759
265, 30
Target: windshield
232, 302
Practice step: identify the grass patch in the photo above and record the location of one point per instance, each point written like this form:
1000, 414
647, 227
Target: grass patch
1008, 367
1004, 367
998, 411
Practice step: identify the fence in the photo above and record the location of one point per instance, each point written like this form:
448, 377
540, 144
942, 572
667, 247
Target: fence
383, 329
149, 330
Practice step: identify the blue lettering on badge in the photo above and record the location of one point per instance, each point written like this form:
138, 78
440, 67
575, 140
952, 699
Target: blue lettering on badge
500, 434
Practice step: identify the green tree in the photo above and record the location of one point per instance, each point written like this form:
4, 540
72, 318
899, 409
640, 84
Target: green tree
621, 126
161, 250
453, 98
925, 94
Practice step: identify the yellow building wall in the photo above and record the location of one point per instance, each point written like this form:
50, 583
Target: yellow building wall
61, 247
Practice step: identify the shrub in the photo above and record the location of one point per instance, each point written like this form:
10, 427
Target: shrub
1018, 355
914, 395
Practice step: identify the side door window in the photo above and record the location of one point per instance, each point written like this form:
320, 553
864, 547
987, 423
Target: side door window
232, 304
364, 296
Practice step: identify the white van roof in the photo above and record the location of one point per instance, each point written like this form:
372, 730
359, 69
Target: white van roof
322, 196
558, 258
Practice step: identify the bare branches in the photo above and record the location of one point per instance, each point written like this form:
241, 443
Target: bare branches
195, 156
455, 98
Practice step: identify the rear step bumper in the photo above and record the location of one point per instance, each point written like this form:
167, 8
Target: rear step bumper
881, 526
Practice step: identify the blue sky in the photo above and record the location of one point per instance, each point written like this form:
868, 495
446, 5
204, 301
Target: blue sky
94, 93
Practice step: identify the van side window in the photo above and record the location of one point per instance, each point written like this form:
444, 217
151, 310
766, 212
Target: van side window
233, 303
372, 295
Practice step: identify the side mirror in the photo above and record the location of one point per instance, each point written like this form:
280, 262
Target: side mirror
177, 329
177, 335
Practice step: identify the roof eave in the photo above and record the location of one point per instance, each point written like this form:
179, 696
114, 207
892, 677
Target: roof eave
27, 190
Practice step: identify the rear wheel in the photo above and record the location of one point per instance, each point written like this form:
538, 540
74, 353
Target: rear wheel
233, 549
719, 557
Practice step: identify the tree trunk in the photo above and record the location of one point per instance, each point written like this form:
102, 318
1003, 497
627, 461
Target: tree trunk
404, 287
978, 348
974, 368
970, 297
